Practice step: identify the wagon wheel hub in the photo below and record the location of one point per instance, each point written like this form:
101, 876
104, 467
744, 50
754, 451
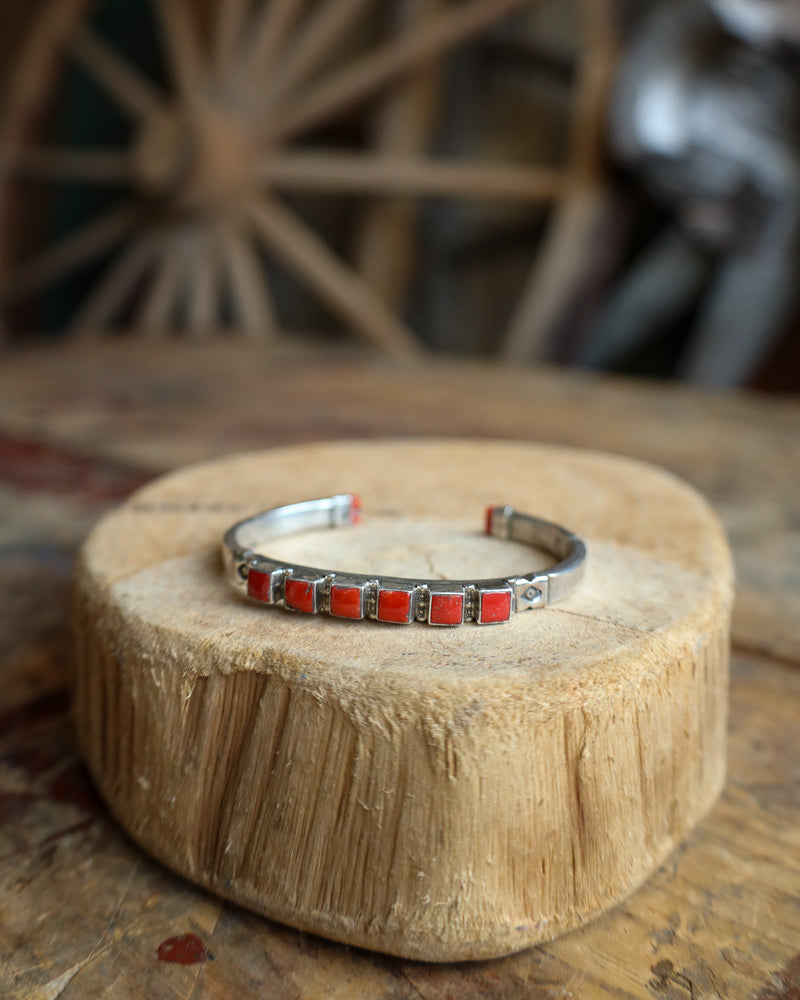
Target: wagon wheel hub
198, 161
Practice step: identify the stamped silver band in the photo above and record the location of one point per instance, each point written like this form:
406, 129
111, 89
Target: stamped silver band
396, 599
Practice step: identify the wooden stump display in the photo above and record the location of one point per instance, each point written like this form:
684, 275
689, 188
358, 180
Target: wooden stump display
435, 793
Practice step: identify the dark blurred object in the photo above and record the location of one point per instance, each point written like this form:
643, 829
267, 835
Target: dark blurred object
706, 113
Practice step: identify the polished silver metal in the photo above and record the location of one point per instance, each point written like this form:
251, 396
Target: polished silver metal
395, 599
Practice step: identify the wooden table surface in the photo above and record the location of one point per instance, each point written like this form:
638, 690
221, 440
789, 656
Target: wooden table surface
84, 913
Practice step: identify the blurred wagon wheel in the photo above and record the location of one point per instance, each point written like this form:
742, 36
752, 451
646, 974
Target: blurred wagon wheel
212, 149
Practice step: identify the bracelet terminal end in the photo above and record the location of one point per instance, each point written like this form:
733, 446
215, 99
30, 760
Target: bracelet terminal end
497, 520
343, 509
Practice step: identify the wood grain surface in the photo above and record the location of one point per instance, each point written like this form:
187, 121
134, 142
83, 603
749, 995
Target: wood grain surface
159, 407
84, 913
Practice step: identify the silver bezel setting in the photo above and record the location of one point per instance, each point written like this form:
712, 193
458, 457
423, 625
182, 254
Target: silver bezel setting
490, 591
352, 583
393, 586
446, 590
311, 580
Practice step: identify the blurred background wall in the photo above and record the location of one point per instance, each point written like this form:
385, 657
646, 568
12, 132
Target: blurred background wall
630, 200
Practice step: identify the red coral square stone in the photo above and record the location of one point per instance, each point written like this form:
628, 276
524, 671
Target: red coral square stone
394, 606
346, 602
495, 606
446, 609
300, 595
355, 510
259, 585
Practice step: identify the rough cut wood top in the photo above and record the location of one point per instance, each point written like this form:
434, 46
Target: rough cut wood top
83, 911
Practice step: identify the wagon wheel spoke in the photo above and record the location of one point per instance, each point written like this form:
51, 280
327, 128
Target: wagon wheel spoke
68, 255
132, 91
158, 307
275, 22
250, 295
354, 83
362, 173
229, 35
564, 257
402, 124
340, 288
92, 166
202, 282
317, 38
113, 290
182, 49
595, 74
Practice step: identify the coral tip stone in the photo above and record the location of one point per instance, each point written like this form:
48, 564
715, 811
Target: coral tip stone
447, 609
300, 595
495, 607
489, 511
259, 585
346, 602
394, 606
355, 510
